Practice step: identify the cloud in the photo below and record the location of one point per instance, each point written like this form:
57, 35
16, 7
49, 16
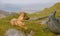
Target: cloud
28, 5
28, 1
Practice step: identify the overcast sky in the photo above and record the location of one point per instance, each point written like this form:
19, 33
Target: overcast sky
28, 1
34, 4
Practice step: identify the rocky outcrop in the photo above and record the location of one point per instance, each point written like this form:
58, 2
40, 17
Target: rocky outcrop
15, 32
53, 23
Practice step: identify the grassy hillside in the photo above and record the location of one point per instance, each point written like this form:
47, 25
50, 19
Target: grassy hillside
34, 25
5, 25
47, 11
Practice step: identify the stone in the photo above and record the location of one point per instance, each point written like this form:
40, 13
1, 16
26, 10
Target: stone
53, 23
31, 33
14, 32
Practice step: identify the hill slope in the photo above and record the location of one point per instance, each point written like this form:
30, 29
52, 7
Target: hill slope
47, 11
3, 13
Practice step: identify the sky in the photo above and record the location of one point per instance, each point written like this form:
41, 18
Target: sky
27, 5
28, 1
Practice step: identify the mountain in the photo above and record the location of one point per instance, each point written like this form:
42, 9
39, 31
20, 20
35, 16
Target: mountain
4, 13
47, 11
26, 7
10, 7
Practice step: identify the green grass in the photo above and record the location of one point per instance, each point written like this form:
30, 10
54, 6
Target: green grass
5, 25
34, 25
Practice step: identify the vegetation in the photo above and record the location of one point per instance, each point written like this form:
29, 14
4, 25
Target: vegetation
47, 11
34, 25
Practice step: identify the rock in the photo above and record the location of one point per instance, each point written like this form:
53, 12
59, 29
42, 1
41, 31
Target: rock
43, 21
14, 32
53, 23
31, 33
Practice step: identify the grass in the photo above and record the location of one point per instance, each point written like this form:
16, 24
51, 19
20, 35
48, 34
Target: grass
34, 25
5, 25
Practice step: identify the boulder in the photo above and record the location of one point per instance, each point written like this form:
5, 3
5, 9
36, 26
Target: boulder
14, 32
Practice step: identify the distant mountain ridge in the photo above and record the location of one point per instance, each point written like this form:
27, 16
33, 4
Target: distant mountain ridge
3, 13
27, 7
47, 11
